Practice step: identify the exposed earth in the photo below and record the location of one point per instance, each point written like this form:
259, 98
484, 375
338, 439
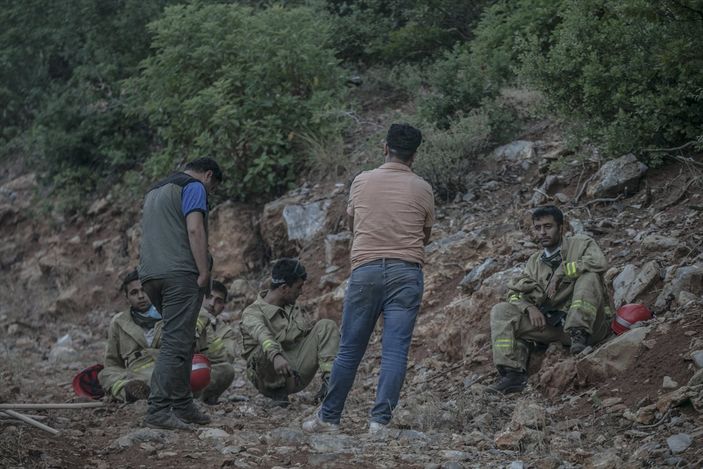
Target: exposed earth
634, 401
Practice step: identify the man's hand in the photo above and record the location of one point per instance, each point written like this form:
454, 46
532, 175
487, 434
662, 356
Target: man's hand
554, 283
204, 280
537, 319
280, 364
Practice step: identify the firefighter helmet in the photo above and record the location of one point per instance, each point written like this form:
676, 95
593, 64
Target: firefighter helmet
86, 383
199, 373
629, 315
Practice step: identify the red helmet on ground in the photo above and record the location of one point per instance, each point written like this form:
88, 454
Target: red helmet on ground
199, 373
86, 383
629, 315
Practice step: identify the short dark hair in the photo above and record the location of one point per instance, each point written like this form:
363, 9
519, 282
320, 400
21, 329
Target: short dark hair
219, 287
287, 271
548, 211
131, 277
202, 165
403, 140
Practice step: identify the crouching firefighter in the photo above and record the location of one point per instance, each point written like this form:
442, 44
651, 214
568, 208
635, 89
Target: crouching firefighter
216, 340
132, 345
282, 346
559, 297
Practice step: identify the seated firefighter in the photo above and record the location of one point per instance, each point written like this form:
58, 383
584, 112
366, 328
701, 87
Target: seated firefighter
283, 348
216, 340
559, 297
132, 345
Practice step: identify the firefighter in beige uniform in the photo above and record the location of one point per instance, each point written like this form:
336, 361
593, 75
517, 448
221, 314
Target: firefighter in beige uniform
216, 340
132, 345
559, 297
283, 348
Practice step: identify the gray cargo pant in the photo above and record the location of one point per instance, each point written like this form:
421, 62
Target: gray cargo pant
178, 299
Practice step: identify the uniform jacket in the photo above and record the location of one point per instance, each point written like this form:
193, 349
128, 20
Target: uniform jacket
580, 254
215, 339
274, 329
127, 348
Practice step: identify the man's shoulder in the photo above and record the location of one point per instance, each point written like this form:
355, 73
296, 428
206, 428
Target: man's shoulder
120, 318
579, 239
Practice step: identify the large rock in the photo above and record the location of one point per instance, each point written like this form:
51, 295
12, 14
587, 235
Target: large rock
472, 280
613, 358
305, 221
681, 283
650, 273
516, 151
234, 243
621, 175
622, 282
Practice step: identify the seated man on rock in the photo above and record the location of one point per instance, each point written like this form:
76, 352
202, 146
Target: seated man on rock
132, 345
216, 340
283, 348
559, 297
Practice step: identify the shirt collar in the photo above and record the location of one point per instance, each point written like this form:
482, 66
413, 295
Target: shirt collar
268, 309
396, 166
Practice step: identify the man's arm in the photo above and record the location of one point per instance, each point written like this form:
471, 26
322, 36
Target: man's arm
427, 231
253, 324
592, 259
198, 245
350, 222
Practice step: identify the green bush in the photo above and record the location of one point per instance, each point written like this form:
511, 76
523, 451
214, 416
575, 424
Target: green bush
240, 85
629, 72
476, 70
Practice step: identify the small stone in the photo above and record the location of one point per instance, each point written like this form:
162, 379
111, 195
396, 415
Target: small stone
452, 465
611, 401
517, 465
697, 358
679, 443
696, 379
454, 455
213, 434
669, 383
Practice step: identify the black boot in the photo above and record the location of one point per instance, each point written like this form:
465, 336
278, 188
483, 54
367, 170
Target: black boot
279, 397
579, 340
511, 380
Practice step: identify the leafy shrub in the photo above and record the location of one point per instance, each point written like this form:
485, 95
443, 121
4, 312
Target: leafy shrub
476, 70
240, 85
629, 71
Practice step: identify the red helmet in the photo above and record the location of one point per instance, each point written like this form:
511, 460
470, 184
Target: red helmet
629, 315
86, 383
199, 373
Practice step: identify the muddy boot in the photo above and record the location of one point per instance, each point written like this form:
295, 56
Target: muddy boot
166, 420
192, 414
579, 340
135, 390
279, 397
511, 380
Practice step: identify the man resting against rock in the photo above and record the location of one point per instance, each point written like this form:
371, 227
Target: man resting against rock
216, 340
283, 348
132, 345
559, 297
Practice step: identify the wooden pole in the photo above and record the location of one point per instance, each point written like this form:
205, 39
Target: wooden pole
35, 417
31, 421
75, 405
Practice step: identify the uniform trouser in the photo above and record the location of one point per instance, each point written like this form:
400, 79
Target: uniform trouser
178, 299
511, 328
113, 379
390, 287
221, 376
316, 351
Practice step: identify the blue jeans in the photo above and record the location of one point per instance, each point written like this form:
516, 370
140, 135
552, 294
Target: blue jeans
393, 287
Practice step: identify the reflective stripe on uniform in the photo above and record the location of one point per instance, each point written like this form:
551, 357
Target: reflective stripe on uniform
570, 269
117, 386
584, 307
144, 365
268, 343
326, 367
503, 343
216, 345
514, 298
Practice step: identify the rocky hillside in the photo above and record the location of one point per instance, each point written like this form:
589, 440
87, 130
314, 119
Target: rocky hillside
634, 401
